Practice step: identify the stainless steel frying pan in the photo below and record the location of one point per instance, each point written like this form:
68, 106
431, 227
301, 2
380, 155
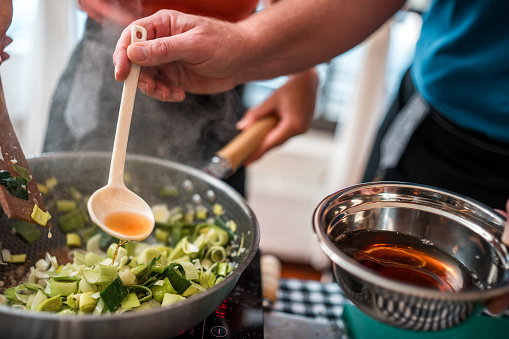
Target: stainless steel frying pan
88, 171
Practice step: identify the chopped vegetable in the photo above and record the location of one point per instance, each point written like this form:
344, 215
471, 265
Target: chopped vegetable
39, 216
22, 171
177, 279
114, 294
171, 299
169, 191
16, 186
130, 301
29, 232
193, 253
66, 205
73, 240
72, 220
87, 302
18, 258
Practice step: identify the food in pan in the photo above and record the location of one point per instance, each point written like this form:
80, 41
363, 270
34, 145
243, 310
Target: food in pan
190, 251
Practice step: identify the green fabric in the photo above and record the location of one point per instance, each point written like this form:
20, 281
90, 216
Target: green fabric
360, 326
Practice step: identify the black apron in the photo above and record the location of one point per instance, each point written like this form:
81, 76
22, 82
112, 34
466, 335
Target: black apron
417, 144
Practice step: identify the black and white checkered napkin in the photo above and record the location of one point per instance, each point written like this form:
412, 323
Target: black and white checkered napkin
313, 299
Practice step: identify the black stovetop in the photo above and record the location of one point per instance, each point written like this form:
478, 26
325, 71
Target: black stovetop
241, 313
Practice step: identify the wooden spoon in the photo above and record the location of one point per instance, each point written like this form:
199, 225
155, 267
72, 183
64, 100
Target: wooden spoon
11, 153
117, 210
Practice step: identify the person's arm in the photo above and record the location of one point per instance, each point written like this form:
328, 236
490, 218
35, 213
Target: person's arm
293, 104
203, 55
5, 22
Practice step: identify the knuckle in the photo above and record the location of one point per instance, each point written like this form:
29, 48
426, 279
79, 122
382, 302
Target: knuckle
160, 47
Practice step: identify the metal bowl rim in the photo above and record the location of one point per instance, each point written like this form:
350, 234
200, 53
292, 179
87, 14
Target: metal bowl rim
350, 265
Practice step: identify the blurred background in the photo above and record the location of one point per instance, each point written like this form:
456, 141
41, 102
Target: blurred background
285, 185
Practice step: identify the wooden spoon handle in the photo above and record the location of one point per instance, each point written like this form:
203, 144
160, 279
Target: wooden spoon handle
125, 114
271, 276
247, 142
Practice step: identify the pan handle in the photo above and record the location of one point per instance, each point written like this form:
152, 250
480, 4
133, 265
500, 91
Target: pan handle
247, 142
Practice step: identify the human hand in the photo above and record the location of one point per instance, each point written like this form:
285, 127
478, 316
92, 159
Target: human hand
294, 105
5, 22
500, 304
182, 53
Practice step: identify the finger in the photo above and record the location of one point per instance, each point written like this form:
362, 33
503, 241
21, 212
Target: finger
498, 305
6, 41
254, 114
120, 60
156, 52
4, 56
158, 88
505, 235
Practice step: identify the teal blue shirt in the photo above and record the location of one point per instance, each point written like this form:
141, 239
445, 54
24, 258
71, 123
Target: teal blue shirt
461, 64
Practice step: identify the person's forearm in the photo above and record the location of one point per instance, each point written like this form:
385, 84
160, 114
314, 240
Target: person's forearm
293, 35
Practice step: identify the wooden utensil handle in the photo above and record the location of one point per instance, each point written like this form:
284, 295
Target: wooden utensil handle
271, 276
247, 142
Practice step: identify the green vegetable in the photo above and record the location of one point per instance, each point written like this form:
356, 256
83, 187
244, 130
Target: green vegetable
64, 206
113, 294
75, 194
216, 254
158, 291
176, 277
22, 171
222, 269
38, 299
16, 258
29, 232
87, 302
100, 274
220, 223
143, 276
73, 240
143, 293
130, 301
16, 186
171, 299
53, 304
63, 288
39, 216
72, 302
169, 191
72, 220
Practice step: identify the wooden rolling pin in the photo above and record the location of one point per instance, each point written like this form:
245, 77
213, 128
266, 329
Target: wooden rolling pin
11, 153
235, 153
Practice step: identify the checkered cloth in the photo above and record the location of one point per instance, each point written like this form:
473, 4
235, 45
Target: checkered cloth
313, 299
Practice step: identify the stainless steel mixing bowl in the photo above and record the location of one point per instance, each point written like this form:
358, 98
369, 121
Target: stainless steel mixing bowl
461, 227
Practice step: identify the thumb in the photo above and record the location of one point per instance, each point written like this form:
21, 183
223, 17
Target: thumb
158, 51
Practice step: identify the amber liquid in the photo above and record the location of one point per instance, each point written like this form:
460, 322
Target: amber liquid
127, 223
407, 259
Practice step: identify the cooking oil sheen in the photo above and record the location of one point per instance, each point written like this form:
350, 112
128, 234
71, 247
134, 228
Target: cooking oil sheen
407, 259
